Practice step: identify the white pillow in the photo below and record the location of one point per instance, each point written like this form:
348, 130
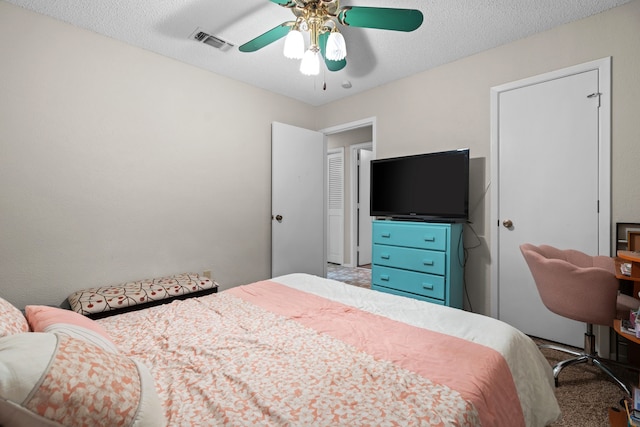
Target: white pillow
58, 380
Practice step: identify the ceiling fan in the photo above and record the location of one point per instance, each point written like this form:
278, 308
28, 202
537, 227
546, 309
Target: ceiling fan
320, 18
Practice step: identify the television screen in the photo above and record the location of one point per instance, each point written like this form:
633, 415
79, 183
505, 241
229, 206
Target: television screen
433, 186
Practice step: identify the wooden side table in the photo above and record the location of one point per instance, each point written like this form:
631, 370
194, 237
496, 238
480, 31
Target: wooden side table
629, 284
633, 348
634, 258
616, 327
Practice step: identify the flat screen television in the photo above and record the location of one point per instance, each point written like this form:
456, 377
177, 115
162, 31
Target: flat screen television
427, 187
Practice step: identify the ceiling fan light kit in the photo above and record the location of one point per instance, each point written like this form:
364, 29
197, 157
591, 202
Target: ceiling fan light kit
320, 18
310, 64
294, 44
336, 47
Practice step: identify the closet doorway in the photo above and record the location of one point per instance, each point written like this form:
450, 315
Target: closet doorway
335, 206
361, 167
351, 138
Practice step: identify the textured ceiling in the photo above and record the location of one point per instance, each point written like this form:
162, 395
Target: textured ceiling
452, 29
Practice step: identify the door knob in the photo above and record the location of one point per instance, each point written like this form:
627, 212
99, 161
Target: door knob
279, 218
507, 223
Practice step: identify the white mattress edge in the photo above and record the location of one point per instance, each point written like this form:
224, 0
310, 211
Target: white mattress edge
525, 361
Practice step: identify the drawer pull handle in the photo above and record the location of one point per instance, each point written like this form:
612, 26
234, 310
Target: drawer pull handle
427, 286
429, 239
385, 256
384, 277
386, 235
428, 262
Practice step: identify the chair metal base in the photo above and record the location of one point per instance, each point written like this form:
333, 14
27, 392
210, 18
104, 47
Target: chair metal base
589, 355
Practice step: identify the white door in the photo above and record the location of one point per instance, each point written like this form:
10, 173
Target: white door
297, 201
548, 188
335, 206
364, 197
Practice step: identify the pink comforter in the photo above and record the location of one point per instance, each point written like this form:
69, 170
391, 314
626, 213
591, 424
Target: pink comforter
478, 373
266, 354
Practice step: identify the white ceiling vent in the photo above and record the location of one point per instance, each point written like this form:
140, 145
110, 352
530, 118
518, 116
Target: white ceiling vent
203, 37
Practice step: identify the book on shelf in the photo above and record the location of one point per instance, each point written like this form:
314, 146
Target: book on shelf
625, 268
633, 408
632, 421
627, 327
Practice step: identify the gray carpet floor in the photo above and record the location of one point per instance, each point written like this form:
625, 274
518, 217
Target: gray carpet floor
585, 393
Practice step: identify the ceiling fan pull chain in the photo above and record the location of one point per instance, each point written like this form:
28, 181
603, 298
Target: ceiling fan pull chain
324, 78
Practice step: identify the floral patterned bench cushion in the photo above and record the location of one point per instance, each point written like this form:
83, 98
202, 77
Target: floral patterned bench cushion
108, 300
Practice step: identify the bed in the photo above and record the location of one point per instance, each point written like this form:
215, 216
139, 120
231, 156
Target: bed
302, 350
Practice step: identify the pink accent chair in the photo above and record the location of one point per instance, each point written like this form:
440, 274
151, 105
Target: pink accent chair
581, 287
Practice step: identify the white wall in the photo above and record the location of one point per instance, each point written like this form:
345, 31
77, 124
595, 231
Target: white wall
119, 164
448, 107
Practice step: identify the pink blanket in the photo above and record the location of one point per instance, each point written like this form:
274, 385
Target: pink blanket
478, 373
267, 354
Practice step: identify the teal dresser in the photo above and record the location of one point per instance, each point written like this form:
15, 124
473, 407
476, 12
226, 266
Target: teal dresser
419, 260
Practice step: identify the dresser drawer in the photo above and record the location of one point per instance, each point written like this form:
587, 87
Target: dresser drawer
409, 259
408, 295
408, 281
414, 235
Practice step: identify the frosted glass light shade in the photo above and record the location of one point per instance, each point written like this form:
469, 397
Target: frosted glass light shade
294, 45
310, 64
336, 49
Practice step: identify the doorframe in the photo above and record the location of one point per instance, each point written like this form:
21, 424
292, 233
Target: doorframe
603, 66
369, 121
353, 199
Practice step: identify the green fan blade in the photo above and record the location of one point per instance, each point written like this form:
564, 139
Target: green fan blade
285, 3
331, 65
381, 18
335, 65
266, 38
